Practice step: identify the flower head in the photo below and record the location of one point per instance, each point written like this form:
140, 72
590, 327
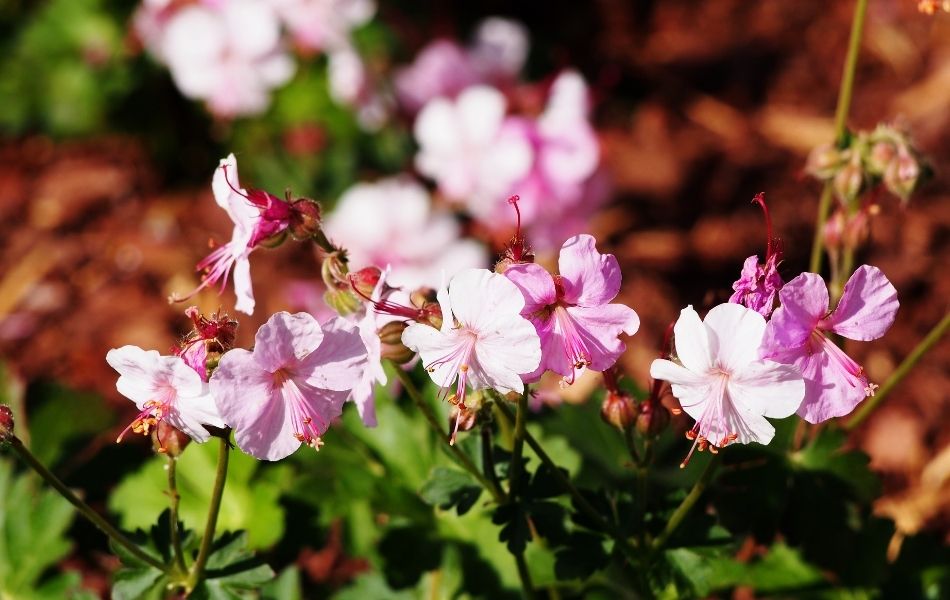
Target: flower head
215, 335
572, 313
164, 388
484, 341
759, 284
721, 382
291, 386
834, 383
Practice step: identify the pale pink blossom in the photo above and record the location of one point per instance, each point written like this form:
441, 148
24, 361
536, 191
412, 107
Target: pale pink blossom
228, 54
217, 266
351, 85
391, 222
798, 334
293, 384
721, 382
484, 341
164, 388
323, 25
572, 311
373, 373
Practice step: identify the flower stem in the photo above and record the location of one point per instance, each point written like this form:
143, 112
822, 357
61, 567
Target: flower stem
84, 509
497, 493
685, 506
514, 484
207, 541
488, 460
568, 487
900, 373
175, 498
845, 91
527, 588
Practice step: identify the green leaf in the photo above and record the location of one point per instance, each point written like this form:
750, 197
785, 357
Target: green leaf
825, 454
447, 488
582, 555
232, 570
285, 586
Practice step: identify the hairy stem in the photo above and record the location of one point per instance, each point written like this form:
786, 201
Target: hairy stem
899, 373
685, 506
497, 493
845, 91
84, 509
174, 499
207, 541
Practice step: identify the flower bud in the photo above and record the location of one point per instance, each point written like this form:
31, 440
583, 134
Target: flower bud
880, 157
305, 219
619, 410
824, 161
392, 348
6, 424
168, 440
343, 302
334, 271
364, 281
653, 419
849, 181
833, 233
902, 175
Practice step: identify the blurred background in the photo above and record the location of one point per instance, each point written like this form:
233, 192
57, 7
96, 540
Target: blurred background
107, 148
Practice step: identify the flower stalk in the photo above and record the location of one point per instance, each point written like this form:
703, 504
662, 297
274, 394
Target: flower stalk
84, 509
214, 507
514, 484
685, 506
178, 555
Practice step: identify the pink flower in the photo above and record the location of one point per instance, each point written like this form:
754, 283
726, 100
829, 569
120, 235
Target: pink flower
484, 341
248, 227
758, 284
323, 25
391, 222
215, 334
291, 386
721, 382
227, 54
165, 389
834, 383
571, 312
364, 391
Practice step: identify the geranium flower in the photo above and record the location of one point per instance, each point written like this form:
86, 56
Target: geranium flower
165, 389
391, 222
722, 383
571, 312
758, 284
834, 383
484, 341
291, 386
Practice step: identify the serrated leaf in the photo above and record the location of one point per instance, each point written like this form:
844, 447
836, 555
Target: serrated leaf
143, 583
447, 488
515, 531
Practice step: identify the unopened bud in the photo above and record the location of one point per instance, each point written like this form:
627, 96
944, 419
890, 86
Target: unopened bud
824, 161
365, 280
334, 271
168, 440
343, 302
653, 419
619, 410
880, 157
391, 333
422, 296
6, 424
391, 346
902, 176
305, 221
833, 233
849, 181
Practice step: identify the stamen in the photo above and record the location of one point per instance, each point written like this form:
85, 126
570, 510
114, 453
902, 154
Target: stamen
513, 200
574, 347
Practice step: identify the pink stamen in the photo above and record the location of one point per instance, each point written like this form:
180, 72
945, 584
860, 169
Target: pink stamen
844, 362
458, 361
574, 347
301, 414
388, 307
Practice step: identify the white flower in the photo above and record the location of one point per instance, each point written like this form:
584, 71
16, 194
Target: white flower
166, 389
721, 382
484, 341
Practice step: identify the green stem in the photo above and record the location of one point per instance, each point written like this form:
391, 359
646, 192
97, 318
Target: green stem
488, 460
900, 373
527, 588
207, 541
497, 493
845, 92
514, 484
175, 498
568, 487
83, 508
685, 506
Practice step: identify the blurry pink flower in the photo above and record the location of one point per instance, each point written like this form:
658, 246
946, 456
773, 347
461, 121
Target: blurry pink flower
484, 341
351, 86
323, 25
443, 68
759, 284
571, 312
720, 381
227, 54
165, 389
391, 222
469, 149
834, 383
216, 267
291, 386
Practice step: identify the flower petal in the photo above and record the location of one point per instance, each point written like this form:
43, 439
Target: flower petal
432, 345
691, 389
242, 285
536, 285
479, 297
286, 338
868, 306
590, 278
828, 391
692, 341
735, 334
244, 392
805, 300
510, 351
768, 388
138, 370
339, 360
600, 327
